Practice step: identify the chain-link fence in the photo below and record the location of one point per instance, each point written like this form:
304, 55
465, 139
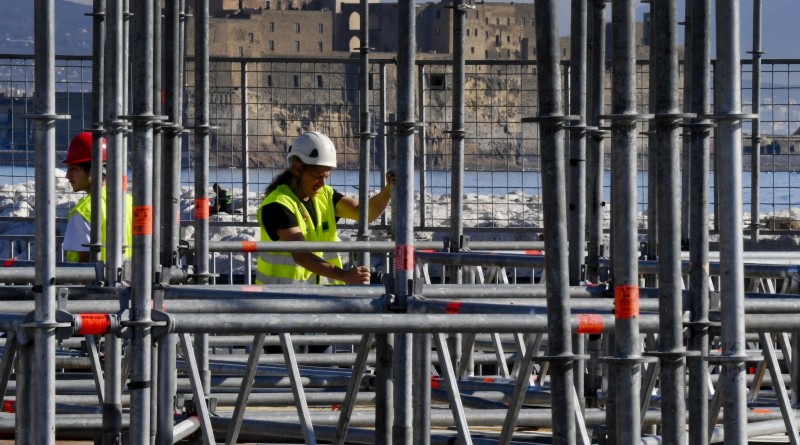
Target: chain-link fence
259, 105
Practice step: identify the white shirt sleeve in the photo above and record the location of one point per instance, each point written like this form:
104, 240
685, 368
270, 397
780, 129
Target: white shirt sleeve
77, 234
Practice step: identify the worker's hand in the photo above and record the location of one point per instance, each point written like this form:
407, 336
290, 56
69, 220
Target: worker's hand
391, 179
357, 275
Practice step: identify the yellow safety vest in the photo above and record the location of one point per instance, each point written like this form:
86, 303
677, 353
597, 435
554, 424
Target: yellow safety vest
279, 267
84, 208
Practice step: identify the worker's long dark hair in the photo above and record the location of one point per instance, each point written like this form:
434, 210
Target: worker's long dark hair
286, 177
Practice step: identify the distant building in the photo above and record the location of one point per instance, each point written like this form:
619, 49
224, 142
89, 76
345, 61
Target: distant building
258, 28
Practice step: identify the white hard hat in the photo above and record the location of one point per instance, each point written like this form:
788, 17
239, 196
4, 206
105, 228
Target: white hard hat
313, 148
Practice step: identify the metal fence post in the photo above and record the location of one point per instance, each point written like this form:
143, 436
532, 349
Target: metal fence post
755, 139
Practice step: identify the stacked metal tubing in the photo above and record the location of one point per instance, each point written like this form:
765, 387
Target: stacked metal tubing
36, 381
219, 300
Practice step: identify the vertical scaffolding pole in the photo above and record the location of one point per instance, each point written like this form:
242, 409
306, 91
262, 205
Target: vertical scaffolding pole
156, 196
421, 163
457, 134
112, 404
421, 390
171, 154
157, 129
404, 225
98, 48
166, 389
595, 168
624, 243
577, 166
670, 289
755, 140
595, 163
248, 277
651, 249
577, 142
365, 133
729, 151
23, 420
384, 343
44, 99
201, 149
245, 153
141, 297
115, 126
201, 140
551, 118
700, 105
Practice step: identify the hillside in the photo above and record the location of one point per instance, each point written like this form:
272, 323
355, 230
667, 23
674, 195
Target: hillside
73, 28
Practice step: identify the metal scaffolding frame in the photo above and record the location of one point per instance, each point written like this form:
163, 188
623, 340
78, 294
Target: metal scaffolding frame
532, 327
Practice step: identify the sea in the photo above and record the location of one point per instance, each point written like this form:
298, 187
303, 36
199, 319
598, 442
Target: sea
778, 190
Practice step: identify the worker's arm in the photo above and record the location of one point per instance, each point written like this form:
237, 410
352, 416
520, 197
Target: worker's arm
315, 264
349, 207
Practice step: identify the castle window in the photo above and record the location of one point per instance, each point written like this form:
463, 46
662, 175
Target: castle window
486, 54
438, 14
486, 34
508, 21
279, 5
319, 46
266, 4
297, 27
271, 27
508, 39
250, 37
497, 21
522, 22
296, 81
241, 52
486, 20
297, 46
320, 83
497, 40
320, 28
467, 32
269, 80
472, 50
272, 45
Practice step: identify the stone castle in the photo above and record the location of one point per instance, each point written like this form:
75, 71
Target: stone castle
262, 28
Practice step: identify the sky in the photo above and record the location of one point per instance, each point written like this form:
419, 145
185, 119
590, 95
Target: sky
780, 18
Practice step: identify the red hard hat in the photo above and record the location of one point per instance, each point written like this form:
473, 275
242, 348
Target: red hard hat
80, 149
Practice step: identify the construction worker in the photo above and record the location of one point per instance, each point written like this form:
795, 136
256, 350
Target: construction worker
223, 202
299, 206
79, 174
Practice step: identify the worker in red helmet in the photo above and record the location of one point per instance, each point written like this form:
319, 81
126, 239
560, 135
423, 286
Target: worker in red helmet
79, 174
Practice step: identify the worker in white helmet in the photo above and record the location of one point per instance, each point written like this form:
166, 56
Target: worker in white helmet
300, 206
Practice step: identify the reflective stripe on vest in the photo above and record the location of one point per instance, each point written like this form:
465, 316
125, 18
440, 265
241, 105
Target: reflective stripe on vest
84, 208
280, 267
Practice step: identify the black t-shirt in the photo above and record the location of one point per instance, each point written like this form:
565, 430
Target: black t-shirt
276, 216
